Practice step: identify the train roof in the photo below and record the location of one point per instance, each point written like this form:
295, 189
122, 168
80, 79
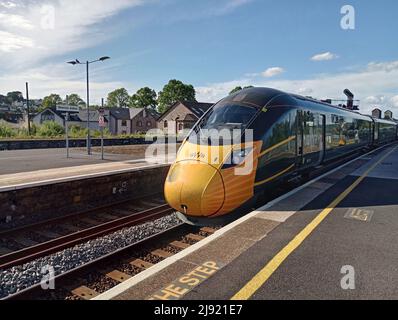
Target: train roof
386, 121
268, 97
259, 97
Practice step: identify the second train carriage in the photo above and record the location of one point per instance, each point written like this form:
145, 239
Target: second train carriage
291, 135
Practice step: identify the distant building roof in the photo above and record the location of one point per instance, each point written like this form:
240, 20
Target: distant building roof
94, 115
198, 109
75, 117
130, 113
72, 116
120, 113
135, 112
153, 113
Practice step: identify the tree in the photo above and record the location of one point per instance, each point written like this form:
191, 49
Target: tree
145, 97
3, 99
51, 101
75, 100
15, 96
118, 99
237, 89
173, 92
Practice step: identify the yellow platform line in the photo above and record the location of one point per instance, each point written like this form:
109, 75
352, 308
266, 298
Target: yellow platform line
261, 278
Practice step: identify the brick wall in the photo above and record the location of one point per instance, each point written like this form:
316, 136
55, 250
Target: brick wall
147, 123
45, 202
61, 143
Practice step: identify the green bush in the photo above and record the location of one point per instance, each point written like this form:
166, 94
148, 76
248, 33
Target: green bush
50, 129
6, 131
76, 132
97, 134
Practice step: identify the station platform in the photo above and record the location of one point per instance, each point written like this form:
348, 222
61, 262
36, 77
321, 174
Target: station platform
22, 180
333, 238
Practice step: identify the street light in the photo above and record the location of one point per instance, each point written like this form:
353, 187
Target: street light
87, 63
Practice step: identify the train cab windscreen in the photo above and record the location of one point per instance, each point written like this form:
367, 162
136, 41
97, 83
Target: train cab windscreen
228, 116
225, 120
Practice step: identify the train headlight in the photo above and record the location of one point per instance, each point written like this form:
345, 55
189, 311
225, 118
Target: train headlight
237, 157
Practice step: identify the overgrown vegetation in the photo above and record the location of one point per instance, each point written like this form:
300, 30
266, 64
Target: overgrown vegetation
52, 130
6, 131
48, 130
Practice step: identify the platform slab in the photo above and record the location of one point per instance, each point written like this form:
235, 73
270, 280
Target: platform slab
16, 181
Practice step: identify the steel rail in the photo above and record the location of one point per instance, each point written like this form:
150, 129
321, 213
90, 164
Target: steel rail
12, 232
71, 275
44, 249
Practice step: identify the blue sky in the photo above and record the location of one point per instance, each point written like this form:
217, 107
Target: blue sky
213, 45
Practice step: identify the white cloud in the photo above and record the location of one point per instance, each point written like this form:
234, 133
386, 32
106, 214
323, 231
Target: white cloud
383, 66
272, 72
305, 91
230, 6
364, 83
14, 20
77, 24
8, 4
10, 42
63, 80
325, 56
394, 101
28, 39
376, 100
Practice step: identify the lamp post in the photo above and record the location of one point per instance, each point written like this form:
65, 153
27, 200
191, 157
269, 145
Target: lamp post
28, 106
87, 63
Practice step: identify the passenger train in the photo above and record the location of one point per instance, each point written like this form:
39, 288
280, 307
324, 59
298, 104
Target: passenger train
289, 136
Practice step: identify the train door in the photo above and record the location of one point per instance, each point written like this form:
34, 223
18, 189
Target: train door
376, 133
311, 139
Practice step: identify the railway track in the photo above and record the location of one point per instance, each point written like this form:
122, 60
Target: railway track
96, 277
29, 241
22, 256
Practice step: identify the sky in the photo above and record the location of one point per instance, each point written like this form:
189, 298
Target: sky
215, 45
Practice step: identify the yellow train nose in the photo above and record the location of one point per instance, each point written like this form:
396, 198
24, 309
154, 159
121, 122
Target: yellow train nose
195, 189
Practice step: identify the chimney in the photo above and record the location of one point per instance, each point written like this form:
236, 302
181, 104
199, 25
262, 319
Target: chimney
388, 115
376, 113
350, 99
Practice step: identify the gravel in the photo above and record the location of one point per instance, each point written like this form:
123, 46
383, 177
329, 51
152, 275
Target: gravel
27, 275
